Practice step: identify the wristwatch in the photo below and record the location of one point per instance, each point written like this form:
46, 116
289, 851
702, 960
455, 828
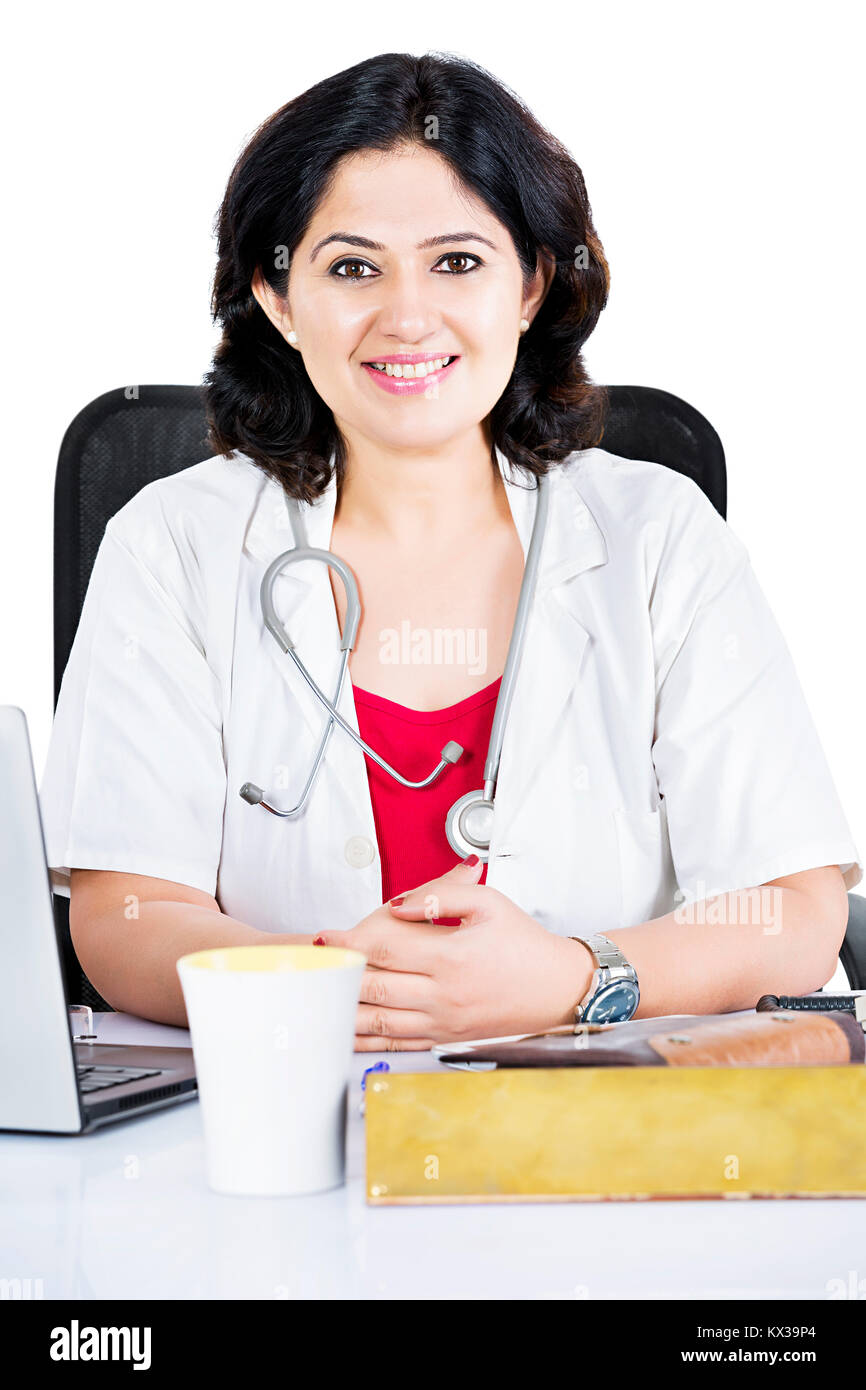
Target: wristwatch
614, 993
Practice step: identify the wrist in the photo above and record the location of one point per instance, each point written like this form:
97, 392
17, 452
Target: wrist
575, 969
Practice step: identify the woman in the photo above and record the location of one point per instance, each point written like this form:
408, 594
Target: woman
661, 781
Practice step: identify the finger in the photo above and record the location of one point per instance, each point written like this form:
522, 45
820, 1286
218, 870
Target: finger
387, 943
379, 1022
367, 1044
470, 902
395, 989
462, 872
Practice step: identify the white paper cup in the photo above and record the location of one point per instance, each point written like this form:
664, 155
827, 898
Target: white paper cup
273, 1032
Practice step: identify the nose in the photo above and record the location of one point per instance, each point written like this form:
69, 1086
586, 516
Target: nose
409, 310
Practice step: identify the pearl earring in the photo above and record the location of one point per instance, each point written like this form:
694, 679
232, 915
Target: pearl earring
524, 324
292, 338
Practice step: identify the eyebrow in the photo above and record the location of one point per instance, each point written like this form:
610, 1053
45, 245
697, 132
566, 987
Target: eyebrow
369, 245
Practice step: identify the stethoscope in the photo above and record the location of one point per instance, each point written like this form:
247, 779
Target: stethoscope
469, 823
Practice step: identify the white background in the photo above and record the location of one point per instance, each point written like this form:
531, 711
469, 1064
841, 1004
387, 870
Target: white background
722, 149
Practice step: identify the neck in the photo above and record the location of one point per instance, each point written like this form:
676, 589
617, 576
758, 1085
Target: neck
410, 495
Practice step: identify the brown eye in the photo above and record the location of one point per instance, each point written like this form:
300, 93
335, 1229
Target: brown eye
352, 266
457, 256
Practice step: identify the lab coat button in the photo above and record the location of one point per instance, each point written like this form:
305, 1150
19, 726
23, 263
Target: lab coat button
359, 851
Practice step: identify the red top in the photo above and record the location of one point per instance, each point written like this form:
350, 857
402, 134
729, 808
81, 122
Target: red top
410, 823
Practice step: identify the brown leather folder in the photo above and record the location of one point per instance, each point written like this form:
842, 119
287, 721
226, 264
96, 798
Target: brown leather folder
743, 1039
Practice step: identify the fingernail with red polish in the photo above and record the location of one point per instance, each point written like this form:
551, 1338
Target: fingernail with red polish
318, 941
471, 860
395, 902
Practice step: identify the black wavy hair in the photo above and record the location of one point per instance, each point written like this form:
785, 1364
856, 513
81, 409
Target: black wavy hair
260, 400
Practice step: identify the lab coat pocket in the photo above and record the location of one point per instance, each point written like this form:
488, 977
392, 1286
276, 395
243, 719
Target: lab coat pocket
647, 881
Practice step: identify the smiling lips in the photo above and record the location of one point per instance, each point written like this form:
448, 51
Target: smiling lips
410, 373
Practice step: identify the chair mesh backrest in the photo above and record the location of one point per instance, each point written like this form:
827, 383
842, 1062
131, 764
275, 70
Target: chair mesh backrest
645, 423
128, 437
111, 450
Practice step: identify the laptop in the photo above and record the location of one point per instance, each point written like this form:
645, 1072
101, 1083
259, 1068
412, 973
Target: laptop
50, 1084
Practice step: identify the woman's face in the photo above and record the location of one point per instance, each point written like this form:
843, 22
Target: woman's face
442, 280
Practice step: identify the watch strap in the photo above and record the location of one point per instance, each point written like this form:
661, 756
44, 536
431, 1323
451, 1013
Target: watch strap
607, 954
608, 957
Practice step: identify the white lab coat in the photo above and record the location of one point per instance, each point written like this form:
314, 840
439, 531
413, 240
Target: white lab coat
659, 747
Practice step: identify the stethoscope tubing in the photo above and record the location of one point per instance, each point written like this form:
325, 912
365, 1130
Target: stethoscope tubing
371, 752
452, 751
515, 649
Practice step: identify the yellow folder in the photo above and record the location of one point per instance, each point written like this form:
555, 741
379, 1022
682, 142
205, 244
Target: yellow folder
602, 1133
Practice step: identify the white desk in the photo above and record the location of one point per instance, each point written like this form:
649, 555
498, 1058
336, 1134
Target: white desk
125, 1213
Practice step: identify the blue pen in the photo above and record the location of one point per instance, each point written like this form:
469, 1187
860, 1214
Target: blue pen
377, 1066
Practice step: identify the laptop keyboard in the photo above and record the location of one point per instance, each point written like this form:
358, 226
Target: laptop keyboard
100, 1078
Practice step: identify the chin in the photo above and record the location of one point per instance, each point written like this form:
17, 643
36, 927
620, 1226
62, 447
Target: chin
428, 431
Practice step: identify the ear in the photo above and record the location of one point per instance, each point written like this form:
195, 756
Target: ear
276, 308
545, 270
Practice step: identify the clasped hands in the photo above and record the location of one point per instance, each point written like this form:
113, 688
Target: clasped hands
499, 972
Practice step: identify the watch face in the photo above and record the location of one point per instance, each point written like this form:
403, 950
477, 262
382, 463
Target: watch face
614, 1004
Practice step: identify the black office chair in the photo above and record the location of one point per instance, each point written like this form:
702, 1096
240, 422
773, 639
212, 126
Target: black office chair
126, 438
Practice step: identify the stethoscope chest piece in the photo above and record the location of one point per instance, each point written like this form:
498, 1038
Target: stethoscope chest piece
469, 825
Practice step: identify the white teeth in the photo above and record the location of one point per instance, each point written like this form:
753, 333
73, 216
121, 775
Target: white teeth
411, 369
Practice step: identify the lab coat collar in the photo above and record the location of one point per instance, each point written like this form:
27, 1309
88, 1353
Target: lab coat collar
574, 540
555, 641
